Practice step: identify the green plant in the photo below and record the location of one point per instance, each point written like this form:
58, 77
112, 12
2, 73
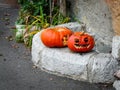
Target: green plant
39, 13
28, 37
41, 8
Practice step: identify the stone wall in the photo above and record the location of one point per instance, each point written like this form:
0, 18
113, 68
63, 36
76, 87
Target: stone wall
97, 17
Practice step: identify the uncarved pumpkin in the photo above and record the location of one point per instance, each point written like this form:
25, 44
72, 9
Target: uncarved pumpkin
81, 42
56, 36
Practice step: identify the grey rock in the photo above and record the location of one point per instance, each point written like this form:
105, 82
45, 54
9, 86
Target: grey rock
91, 67
102, 67
117, 84
37, 47
116, 47
64, 62
103, 46
60, 61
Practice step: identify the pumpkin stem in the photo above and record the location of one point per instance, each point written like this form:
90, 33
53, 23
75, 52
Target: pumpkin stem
83, 27
82, 33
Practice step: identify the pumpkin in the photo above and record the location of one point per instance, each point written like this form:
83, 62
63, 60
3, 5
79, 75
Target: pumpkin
81, 42
56, 36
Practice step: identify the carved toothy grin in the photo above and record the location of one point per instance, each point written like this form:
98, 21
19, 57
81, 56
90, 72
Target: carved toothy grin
78, 46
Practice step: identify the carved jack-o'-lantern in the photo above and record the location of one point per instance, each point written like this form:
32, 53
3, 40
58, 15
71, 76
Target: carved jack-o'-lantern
55, 37
81, 42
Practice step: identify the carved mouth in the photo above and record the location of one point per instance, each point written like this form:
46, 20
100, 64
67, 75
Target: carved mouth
65, 39
78, 46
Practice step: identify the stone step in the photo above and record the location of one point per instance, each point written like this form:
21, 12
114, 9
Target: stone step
91, 67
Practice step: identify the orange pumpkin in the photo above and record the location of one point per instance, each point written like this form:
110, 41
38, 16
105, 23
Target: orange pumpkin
56, 37
81, 42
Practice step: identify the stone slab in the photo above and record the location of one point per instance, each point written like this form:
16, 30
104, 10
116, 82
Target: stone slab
117, 84
90, 67
116, 47
101, 68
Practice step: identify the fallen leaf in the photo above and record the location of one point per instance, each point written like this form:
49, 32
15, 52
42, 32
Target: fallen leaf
7, 23
6, 19
15, 46
9, 38
13, 27
6, 14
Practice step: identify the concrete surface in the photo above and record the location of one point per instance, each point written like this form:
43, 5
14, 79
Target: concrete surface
17, 71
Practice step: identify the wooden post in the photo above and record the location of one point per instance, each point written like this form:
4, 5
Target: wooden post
63, 7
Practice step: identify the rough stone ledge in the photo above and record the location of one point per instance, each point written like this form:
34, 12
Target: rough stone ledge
117, 84
116, 47
91, 67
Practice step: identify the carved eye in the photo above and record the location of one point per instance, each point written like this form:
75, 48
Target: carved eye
86, 39
76, 40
